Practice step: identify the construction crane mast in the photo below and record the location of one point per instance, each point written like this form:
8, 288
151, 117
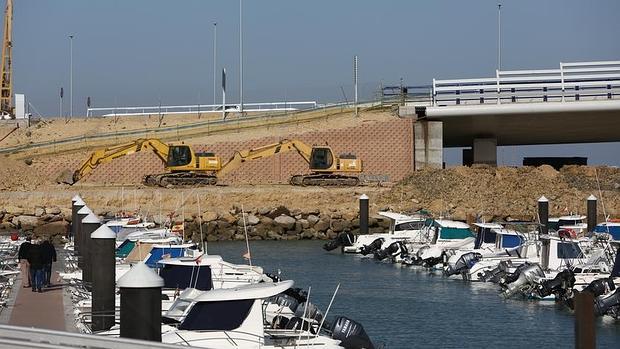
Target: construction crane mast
6, 90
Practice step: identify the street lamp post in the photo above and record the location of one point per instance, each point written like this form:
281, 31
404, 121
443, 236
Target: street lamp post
241, 57
214, 61
499, 36
70, 76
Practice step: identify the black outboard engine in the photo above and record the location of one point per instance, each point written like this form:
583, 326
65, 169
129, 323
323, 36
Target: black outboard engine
464, 263
433, 261
350, 334
285, 301
608, 304
312, 312
297, 293
561, 285
597, 288
344, 239
396, 248
496, 273
372, 247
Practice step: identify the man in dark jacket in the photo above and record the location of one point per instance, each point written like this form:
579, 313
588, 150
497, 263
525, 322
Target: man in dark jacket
49, 256
24, 266
35, 258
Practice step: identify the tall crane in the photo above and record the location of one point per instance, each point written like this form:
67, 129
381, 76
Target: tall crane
6, 89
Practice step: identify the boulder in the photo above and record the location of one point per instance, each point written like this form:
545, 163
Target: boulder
272, 235
278, 211
223, 225
322, 225
225, 235
312, 219
285, 222
339, 225
39, 211
211, 238
308, 234
54, 228
266, 220
239, 237
67, 214
264, 211
349, 215
26, 222
304, 223
209, 216
54, 210
229, 218
250, 219
15, 211
7, 226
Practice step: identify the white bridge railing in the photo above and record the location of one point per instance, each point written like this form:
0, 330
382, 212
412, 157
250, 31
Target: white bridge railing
200, 108
572, 82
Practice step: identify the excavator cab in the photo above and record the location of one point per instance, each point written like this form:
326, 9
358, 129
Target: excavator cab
179, 155
321, 158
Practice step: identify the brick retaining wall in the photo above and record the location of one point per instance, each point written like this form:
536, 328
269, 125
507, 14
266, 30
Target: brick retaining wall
386, 149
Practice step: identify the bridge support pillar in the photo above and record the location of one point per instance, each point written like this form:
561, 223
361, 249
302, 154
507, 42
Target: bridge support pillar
428, 144
485, 151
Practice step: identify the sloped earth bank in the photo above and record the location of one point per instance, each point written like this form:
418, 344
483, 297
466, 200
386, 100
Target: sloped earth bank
461, 193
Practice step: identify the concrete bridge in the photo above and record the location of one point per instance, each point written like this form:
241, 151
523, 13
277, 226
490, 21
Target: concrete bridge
577, 103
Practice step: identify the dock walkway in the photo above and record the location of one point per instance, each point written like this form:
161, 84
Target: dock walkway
44, 310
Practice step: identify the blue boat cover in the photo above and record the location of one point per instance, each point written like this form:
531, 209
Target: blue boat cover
614, 230
157, 253
510, 241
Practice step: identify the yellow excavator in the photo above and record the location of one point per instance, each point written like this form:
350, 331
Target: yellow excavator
186, 167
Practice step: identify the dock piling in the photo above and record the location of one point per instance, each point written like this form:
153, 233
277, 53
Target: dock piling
103, 287
141, 293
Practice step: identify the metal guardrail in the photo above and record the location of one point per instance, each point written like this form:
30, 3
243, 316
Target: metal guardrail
572, 82
200, 108
25, 337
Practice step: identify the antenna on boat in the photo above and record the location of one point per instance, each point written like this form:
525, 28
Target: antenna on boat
600, 194
183, 216
202, 240
247, 255
303, 318
327, 311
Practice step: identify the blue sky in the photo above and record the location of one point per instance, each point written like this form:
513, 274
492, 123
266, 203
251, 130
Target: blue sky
140, 52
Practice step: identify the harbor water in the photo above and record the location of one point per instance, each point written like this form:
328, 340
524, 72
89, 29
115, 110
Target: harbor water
411, 308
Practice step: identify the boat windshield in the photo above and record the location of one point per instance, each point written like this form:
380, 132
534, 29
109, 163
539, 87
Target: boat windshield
569, 250
177, 310
409, 226
564, 222
217, 316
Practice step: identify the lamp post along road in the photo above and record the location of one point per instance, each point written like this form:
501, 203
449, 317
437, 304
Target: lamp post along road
241, 57
499, 36
70, 76
214, 62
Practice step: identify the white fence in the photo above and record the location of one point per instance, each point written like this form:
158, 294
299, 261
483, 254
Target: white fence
200, 108
572, 82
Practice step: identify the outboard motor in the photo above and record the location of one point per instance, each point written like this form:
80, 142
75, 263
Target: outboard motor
512, 277
297, 323
496, 273
344, 239
433, 261
527, 277
597, 288
312, 312
300, 295
396, 248
350, 334
560, 285
608, 304
285, 301
372, 247
465, 262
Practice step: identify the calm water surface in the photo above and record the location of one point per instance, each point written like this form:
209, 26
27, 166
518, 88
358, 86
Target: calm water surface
407, 308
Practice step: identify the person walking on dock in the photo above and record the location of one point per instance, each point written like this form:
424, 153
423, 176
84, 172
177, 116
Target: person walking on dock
35, 258
24, 265
49, 256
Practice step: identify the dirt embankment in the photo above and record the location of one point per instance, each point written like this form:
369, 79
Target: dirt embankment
506, 192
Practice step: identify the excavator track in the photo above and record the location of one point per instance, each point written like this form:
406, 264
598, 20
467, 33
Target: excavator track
180, 179
324, 180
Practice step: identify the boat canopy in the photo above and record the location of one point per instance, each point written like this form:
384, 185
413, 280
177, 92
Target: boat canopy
125, 248
186, 276
612, 228
251, 291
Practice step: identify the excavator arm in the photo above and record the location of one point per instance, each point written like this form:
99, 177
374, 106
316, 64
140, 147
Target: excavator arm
105, 155
266, 151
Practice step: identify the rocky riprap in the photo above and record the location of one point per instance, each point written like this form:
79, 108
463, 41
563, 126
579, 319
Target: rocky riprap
278, 223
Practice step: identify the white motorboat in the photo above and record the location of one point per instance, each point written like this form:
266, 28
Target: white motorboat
402, 227
235, 318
